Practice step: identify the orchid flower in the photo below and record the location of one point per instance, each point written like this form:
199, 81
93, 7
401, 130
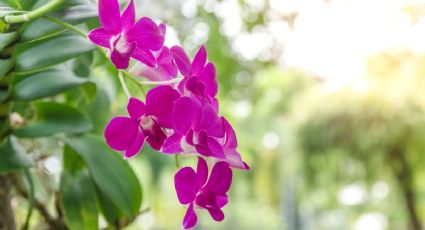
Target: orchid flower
164, 70
199, 191
146, 121
199, 76
124, 38
197, 127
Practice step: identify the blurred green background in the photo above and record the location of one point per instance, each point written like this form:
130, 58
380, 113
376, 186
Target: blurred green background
327, 100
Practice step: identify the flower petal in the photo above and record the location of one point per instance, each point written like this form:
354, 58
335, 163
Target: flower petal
185, 183
165, 70
147, 34
199, 60
136, 146
231, 141
207, 76
234, 159
160, 104
172, 144
220, 179
128, 17
144, 55
100, 37
120, 61
216, 214
184, 114
182, 60
190, 219
121, 132
215, 148
210, 121
136, 108
109, 15
156, 136
202, 171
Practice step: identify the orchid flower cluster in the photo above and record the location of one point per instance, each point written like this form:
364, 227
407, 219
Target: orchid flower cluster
177, 117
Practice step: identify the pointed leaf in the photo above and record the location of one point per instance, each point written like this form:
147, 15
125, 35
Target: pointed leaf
7, 38
5, 66
78, 201
45, 53
111, 174
52, 118
12, 156
47, 83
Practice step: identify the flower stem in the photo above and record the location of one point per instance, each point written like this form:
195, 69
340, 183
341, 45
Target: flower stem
39, 12
176, 158
124, 86
66, 25
175, 80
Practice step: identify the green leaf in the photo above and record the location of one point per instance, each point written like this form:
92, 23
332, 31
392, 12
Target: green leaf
7, 39
48, 83
78, 200
12, 156
45, 53
5, 66
111, 174
54, 118
42, 28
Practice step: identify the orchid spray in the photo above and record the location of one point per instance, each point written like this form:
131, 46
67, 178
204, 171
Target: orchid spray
179, 117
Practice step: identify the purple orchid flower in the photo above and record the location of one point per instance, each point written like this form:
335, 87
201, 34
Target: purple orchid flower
199, 76
233, 157
146, 121
197, 127
124, 38
198, 191
164, 70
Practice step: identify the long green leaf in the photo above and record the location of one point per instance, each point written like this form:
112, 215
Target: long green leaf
12, 156
47, 83
52, 118
111, 174
38, 55
5, 66
78, 201
7, 39
42, 28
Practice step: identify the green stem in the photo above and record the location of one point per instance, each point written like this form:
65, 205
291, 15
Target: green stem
176, 158
66, 25
39, 12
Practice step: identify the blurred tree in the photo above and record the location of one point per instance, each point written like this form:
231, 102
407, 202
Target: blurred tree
381, 126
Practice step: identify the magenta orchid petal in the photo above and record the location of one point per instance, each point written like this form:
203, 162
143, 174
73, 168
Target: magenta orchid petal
221, 200
210, 121
128, 17
231, 141
199, 60
121, 132
183, 115
165, 70
160, 103
202, 171
190, 219
185, 185
136, 108
216, 213
208, 76
234, 159
155, 136
215, 148
109, 15
144, 55
136, 146
220, 178
172, 144
182, 60
120, 61
100, 37
147, 34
